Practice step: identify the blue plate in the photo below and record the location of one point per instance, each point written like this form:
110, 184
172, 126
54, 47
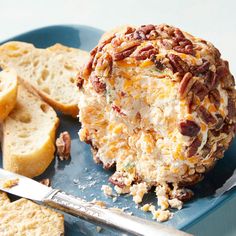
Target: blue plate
81, 177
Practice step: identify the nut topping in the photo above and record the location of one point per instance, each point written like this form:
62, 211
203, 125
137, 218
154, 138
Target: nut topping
231, 109
145, 53
185, 85
211, 80
214, 97
189, 128
183, 194
143, 31
80, 82
206, 116
98, 86
104, 65
200, 90
192, 149
159, 65
197, 70
178, 64
63, 144
122, 55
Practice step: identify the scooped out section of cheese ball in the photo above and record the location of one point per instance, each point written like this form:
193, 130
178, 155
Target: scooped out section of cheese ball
157, 103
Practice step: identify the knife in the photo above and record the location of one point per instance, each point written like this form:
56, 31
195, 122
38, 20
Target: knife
60, 200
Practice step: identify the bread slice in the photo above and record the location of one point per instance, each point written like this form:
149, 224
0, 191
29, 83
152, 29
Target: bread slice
51, 72
28, 135
4, 200
8, 92
23, 217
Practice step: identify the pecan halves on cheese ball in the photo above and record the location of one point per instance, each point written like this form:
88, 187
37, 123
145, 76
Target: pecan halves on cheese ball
157, 103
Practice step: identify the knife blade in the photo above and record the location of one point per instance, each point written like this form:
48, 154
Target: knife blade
57, 199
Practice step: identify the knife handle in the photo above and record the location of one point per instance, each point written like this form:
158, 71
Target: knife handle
107, 217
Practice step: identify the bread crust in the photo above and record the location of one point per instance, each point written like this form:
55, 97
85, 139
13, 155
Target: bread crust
9, 94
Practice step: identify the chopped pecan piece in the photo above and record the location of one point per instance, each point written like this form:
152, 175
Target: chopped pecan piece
189, 128
214, 97
145, 52
204, 67
129, 30
200, 90
63, 144
211, 80
189, 101
159, 65
206, 116
117, 179
89, 65
219, 152
183, 194
98, 85
46, 182
192, 149
104, 65
223, 74
143, 31
105, 42
80, 82
188, 49
178, 64
185, 85
146, 29
231, 109
178, 34
220, 121
118, 56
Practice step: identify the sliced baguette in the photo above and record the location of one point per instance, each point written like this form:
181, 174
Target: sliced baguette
4, 200
51, 72
8, 92
23, 217
28, 135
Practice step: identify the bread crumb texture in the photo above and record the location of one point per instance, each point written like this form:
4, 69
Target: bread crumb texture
23, 217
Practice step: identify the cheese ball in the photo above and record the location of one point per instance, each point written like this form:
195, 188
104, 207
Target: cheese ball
158, 104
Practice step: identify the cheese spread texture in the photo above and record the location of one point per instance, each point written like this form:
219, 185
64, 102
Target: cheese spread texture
157, 103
